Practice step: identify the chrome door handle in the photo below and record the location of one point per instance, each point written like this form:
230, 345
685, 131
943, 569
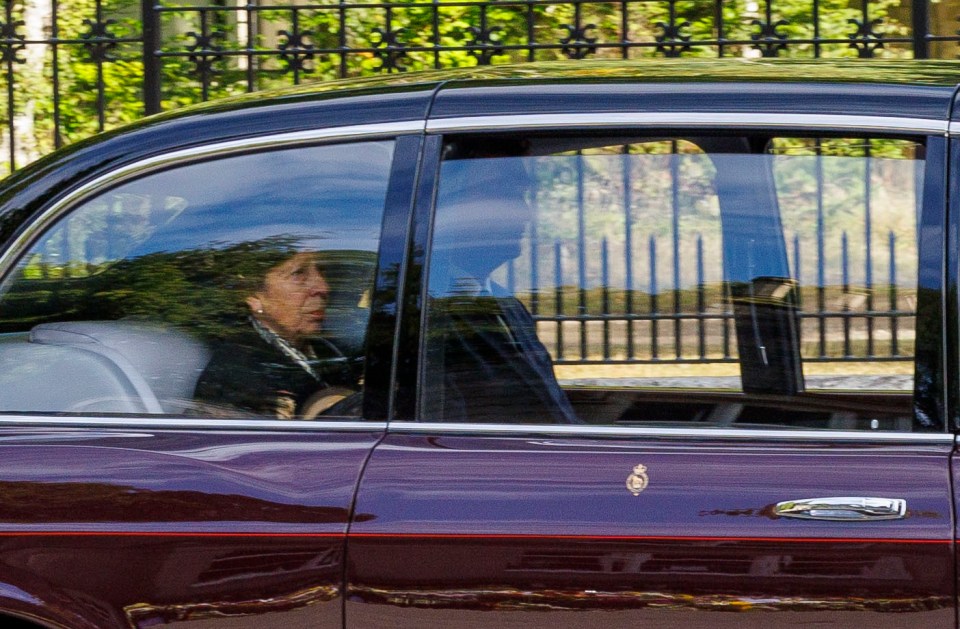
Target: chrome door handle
846, 509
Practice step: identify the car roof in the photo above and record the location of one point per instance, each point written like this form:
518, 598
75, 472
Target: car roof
942, 73
898, 87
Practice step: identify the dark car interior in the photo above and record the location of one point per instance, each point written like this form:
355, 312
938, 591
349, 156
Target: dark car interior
762, 295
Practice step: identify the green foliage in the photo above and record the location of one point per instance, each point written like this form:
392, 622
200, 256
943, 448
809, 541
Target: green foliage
213, 54
87, 86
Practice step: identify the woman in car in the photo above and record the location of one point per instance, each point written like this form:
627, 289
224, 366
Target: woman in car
272, 366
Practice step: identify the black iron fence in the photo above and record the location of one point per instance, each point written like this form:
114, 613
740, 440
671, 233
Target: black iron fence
75, 67
645, 322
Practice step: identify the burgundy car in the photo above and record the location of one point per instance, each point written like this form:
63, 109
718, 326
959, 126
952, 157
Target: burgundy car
583, 345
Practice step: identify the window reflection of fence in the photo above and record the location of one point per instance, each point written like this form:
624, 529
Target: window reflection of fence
603, 325
650, 288
71, 68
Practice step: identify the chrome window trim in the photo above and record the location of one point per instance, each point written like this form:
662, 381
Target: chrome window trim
192, 154
473, 429
702, 433
175, 423
831, 122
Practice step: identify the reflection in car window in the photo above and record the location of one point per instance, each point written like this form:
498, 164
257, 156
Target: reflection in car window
716, 281
481, 338
229, 288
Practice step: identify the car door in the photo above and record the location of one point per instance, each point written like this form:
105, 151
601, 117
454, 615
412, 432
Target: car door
701, 373
132, 500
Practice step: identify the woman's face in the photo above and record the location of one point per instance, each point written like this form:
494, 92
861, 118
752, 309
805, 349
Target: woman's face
293, 298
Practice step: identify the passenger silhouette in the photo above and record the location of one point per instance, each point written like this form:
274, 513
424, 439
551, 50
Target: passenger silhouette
484, 362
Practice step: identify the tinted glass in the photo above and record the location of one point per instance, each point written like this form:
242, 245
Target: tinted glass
721, 281
229, 288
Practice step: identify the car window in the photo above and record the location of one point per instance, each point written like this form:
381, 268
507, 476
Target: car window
695, 281
234, 287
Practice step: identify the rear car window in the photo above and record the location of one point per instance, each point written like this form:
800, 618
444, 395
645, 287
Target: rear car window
715, 281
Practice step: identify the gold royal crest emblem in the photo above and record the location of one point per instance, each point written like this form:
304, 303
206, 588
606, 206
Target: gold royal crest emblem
639, 480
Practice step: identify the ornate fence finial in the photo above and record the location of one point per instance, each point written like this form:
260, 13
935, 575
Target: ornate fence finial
204, 51
296, 50
576, 45
671, 42
11, 42
99, 41
483, 46
865, 39
389, 49
769, 41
